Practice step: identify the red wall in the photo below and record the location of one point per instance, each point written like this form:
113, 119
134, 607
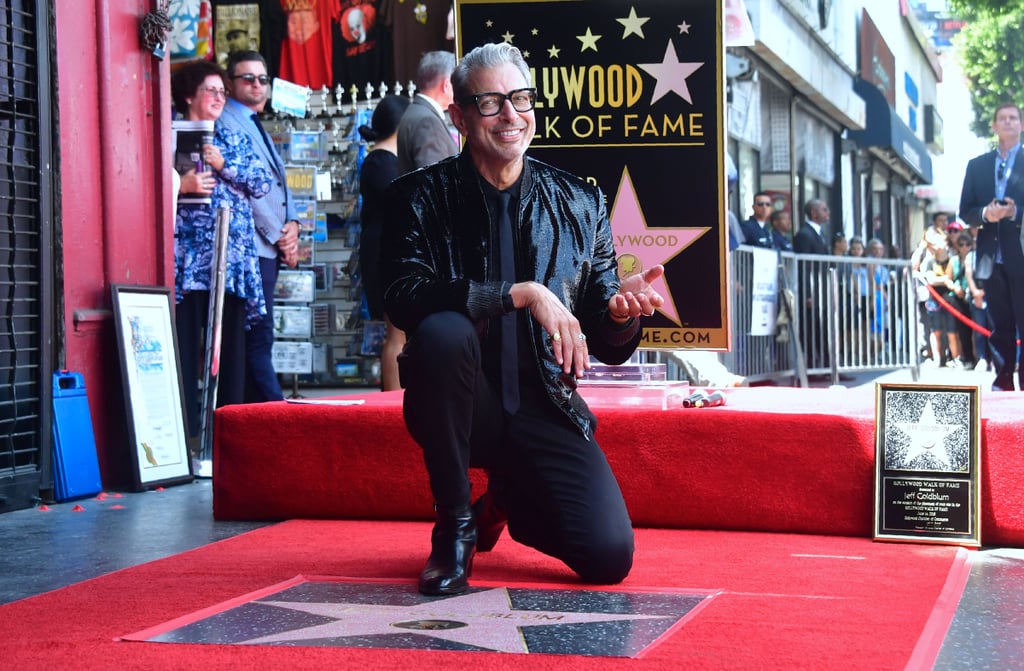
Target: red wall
113, 105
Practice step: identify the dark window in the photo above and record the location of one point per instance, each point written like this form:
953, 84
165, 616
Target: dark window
25, 250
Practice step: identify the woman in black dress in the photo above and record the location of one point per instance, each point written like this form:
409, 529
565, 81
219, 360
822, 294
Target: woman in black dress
380, 166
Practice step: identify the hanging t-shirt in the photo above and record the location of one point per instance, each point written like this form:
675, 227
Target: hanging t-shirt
416, 26
362, 47
306, 48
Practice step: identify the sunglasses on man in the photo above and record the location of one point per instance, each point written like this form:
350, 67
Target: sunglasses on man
251, 79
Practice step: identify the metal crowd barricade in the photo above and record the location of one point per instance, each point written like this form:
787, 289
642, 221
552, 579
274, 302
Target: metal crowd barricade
849, 315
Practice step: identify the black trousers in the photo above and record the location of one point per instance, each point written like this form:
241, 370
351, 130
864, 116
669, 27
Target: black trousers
190, 317
556, 486
1005, 295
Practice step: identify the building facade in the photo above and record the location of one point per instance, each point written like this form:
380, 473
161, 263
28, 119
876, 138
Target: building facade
836, 100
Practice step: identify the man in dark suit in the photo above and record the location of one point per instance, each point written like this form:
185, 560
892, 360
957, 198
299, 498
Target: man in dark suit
277, 230
423, 135
993, 184
757, 230
810, 239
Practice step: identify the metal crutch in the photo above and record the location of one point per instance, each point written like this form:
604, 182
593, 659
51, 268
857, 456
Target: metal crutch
214, 326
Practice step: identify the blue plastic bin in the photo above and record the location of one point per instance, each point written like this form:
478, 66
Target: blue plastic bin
76, 469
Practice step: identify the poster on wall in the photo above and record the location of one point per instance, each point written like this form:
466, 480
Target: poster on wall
630, 97
237, 28
151, 379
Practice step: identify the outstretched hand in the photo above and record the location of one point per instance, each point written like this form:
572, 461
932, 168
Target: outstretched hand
636, 297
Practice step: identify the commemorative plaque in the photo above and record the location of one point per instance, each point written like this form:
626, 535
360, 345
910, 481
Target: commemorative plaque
928, 464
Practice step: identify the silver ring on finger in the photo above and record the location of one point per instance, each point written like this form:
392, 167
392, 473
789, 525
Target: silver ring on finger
556, 336
582, 337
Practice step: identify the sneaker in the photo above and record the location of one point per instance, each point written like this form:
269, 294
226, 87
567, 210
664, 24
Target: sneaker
981, 365
953, 363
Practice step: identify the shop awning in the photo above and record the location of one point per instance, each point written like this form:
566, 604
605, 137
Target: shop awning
885, 129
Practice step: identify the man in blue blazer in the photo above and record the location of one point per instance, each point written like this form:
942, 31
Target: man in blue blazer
277, 229
993, 187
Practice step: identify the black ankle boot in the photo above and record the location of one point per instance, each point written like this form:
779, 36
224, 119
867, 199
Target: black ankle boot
452, 545
490, 521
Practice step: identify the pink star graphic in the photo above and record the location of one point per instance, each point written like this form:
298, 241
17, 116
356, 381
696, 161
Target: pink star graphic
640, 247
671, 75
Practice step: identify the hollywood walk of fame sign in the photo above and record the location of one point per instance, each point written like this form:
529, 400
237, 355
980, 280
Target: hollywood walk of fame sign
631, 97
927, 463
324, 611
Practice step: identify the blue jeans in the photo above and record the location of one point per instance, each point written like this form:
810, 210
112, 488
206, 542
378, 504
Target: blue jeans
261, 383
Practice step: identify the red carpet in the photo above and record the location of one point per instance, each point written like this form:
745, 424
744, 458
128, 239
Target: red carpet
786, 601
772, 459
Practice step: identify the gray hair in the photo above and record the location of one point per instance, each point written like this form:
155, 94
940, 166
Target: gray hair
484, 57
434, 67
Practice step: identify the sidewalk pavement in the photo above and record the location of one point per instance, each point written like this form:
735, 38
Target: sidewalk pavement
929, 374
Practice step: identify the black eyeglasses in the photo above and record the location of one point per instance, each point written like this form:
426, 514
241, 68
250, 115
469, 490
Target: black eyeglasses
251, 79
491, 102
1002, 170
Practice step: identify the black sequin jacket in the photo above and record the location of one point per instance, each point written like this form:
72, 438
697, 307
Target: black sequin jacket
436, 256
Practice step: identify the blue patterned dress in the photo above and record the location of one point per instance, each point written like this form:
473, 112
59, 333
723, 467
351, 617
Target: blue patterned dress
243, 176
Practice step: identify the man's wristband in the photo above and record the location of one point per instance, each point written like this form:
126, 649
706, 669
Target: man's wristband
507, 304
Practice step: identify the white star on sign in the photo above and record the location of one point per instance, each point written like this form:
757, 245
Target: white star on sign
589, 41
633, 24
671, 75
507, 37
483, 619
927, 438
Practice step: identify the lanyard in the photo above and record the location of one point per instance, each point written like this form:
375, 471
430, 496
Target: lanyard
1003, 169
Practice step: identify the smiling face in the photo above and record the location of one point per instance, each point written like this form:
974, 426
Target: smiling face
208, 101
497, 143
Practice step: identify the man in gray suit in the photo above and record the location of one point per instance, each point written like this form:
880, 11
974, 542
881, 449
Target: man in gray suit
423, 135
277, 230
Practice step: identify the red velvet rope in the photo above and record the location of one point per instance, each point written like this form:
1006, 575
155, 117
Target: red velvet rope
956, 313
